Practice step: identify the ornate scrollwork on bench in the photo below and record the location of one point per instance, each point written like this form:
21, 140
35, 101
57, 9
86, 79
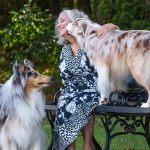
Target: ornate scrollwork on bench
124, 110
129, 123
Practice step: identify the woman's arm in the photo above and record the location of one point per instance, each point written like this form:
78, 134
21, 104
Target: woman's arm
106, 28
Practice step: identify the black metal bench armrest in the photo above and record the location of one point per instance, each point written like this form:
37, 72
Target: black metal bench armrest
132, 111
55, 99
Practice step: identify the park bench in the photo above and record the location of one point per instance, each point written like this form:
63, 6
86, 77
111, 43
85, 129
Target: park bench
123, 109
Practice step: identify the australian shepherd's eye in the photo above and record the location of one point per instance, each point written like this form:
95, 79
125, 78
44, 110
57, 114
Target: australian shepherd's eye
75, 23
33, 74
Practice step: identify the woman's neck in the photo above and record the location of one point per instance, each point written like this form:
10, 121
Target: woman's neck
74, 44
74, 48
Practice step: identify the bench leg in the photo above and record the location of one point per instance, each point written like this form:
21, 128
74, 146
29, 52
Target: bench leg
108, 139
50, 118
147, 130
96, 144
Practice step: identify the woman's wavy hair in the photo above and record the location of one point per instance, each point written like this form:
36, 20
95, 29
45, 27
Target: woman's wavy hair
72, 14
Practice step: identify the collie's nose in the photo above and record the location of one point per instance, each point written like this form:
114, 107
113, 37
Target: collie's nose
51, 78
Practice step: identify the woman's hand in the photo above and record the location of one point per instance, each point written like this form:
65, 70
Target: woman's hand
106, 28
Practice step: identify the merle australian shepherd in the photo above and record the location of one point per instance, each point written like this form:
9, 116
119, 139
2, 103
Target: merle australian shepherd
115, 56
22, 108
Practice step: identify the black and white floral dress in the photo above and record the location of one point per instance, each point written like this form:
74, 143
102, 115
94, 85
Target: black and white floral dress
79, 97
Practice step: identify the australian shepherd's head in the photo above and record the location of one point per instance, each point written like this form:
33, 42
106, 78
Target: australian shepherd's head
81, 28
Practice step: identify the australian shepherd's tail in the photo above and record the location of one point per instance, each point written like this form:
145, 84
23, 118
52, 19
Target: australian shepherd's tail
22, 108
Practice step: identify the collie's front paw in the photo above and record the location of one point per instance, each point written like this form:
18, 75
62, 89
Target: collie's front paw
145, 105
103, 101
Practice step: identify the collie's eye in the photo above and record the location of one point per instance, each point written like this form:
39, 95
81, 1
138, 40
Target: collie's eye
35, 74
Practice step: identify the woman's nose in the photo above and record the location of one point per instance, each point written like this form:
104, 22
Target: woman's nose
58, 24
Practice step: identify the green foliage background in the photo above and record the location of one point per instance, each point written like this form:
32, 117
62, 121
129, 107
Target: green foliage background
127, 14
27, 31
30, 34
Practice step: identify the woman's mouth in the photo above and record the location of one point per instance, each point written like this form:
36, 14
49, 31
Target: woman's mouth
61, 28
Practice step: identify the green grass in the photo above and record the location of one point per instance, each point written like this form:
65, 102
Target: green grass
125, 142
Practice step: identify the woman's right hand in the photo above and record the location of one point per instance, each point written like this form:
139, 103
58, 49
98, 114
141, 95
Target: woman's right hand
106, 28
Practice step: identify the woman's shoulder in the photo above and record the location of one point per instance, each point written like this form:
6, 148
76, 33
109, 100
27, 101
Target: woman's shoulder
65, 47
64, 51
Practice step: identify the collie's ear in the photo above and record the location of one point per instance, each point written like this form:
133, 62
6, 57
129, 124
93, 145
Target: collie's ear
28, 63
19, 71
16, 67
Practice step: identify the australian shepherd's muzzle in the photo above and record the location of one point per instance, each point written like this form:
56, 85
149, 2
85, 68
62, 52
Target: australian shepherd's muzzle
22, 108
115, 55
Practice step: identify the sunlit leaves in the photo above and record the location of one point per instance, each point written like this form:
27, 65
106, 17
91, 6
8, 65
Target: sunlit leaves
30, 34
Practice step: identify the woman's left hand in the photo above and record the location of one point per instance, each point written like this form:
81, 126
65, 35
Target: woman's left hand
106, 28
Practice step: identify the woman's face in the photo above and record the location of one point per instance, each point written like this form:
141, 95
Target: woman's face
62, 22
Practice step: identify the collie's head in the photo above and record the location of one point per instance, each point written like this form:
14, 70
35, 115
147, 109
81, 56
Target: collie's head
26, 77
22, 88
81, 28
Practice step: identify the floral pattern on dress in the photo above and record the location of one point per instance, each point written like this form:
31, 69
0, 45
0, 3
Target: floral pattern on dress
79, 96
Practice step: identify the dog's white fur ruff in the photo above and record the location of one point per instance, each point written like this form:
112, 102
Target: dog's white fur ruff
115, 55
22, 109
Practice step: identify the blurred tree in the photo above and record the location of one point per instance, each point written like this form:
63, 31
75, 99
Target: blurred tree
30, 34
6, 6
126, 14
28, 30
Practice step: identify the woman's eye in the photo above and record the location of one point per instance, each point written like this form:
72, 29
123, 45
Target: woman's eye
62, 21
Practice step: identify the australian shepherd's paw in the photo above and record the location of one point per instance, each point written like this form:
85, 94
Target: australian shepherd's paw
144, 105
103, 101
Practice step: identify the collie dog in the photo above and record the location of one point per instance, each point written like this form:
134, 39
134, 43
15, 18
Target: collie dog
22, 108
115, 55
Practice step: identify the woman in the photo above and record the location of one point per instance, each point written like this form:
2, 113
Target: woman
79, 95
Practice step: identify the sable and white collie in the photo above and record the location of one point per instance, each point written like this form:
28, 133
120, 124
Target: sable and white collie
22, 108
115, 55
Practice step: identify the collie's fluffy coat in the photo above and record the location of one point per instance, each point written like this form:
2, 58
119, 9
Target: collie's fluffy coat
22, 108
115, 55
